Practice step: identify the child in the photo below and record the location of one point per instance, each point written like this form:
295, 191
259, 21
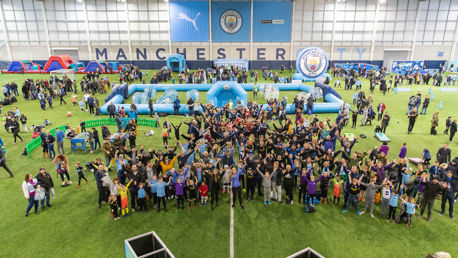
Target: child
79, 170
160, 188
371, 188
302, 185
81, 103
311, 184
386, 196
179, 191
165, 136
83, 126
395, 194
226, 179
152, 185
192, 195
113, 200
74, 100
267, 184
337, 182
324, 183
156, 119
203, 190
353, 191
403, 152
123, 190
410, 209
141, 195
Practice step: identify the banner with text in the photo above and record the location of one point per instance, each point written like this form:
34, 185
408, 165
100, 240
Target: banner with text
272, 21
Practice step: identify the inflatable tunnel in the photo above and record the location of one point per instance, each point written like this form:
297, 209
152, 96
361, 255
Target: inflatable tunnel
177, 62
58, 62
219, 94
224, 91
94, 66
27, 65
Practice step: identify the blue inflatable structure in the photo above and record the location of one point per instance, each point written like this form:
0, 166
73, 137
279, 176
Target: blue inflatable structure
177, 62
219, 94
223, 92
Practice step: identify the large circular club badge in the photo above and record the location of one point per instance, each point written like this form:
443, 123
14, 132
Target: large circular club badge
312, 62
231, 21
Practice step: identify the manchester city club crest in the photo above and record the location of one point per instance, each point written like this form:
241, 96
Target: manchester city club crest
230, 21
312, 63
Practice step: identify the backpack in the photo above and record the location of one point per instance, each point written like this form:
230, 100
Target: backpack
377, 198
309, 208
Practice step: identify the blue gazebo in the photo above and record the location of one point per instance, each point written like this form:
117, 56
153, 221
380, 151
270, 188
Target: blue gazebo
177, 62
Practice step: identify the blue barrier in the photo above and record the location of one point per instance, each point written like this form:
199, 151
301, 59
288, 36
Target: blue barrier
219, 94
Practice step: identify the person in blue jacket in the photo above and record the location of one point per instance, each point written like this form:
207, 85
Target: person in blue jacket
160, 192
176, 106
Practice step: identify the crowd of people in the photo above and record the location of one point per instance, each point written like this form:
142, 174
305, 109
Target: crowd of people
235, 150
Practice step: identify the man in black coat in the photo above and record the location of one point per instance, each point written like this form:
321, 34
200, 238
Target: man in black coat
111, 109
44, 180
453, 129
430, 192
443, 154
3, 163
151, 107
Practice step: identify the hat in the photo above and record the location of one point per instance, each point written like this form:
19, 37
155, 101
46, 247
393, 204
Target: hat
42, 168
226, 166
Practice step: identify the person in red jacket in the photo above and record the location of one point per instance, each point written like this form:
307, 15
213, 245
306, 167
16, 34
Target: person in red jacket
203, 190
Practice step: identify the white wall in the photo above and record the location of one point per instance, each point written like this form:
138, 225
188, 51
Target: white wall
90, 24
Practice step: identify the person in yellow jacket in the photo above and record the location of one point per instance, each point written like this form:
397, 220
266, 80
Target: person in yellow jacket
167, 164
123, 190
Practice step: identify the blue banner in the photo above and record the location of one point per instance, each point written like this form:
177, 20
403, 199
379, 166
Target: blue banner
272, 21
189, 21
231, 21
409, 66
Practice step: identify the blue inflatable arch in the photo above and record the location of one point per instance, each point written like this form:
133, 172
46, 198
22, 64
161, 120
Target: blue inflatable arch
177, 62
222, 92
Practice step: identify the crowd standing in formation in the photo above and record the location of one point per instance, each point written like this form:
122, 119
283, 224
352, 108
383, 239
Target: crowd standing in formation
247, 151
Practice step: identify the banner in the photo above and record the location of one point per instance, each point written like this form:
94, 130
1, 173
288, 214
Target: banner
272, 21
231, 21
189, 21
452, 66
403, 66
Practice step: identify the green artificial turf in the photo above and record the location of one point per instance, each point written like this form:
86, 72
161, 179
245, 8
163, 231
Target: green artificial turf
75, 227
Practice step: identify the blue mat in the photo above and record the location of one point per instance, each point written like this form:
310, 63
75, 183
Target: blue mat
382, 137
448, 89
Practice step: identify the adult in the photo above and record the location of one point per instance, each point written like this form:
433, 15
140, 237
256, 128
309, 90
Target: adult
412, 118
3, 163
151, 107
60, 141
23, 120
101, 187
105, 132
111, 109
453, 128
443, 154
431, 189
176, 106
63, 168
44, 143
448, 195
15, 129
44, 180
29, 188
434, 123
50, 141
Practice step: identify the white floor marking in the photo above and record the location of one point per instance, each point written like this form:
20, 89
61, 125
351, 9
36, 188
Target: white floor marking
231, 242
